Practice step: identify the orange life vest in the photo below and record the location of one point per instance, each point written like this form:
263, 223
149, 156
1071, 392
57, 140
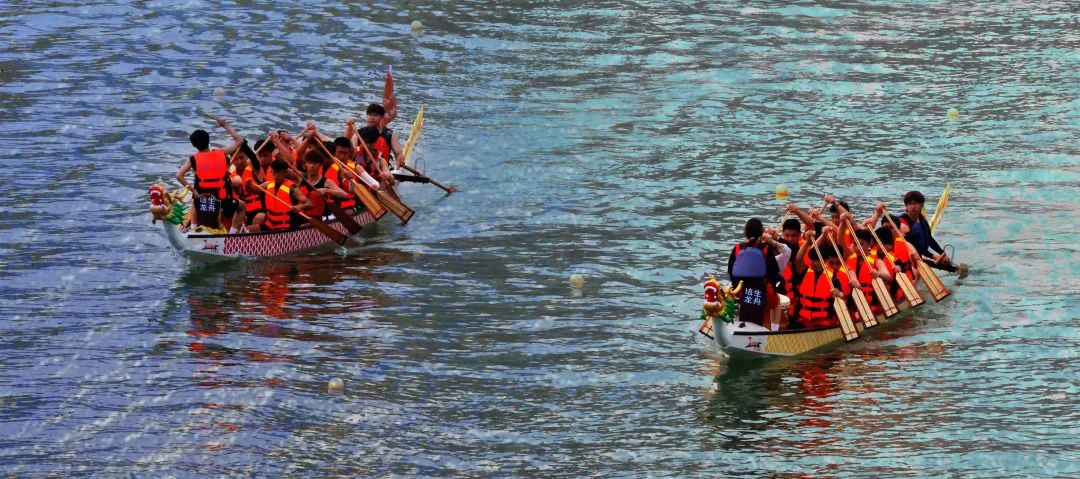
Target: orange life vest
278, 214
334, 173
903, 257
866, 278
252, 197
211, 170
815, 291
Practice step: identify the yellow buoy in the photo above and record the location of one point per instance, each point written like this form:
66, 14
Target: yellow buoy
782, 192
416, 25
335, 386
953, 113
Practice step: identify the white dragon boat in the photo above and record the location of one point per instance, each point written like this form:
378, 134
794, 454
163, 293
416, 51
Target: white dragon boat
746, 340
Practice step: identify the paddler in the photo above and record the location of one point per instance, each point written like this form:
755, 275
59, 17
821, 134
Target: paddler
815, 285
211, 168
246, 175
916, 231
281, 215
754, 263
382, 141
861, 273
322, 188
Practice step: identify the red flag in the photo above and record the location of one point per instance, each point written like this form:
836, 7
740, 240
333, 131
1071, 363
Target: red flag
389, 101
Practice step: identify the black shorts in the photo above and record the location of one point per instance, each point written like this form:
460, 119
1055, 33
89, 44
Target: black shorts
229, 207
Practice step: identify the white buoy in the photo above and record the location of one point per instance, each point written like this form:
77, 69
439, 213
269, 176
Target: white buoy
416, 25
219, 92
335, 386
577, 280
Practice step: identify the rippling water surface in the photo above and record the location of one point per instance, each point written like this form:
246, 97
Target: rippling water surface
623, 141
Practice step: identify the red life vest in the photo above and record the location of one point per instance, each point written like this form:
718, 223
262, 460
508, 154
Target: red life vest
211, 170
334, 173
278, 214
788, 273
815, 291
382, 145
252, 197
903, 257
318, 203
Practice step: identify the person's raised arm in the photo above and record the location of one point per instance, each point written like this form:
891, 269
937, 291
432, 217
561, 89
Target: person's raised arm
350, 131
800, 258
237, 139
806, 219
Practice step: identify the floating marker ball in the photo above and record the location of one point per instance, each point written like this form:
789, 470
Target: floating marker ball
416, 25
782, 192
953, 113
219, 92
577, 280
335, 386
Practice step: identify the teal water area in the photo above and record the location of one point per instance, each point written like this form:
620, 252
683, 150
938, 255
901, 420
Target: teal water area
623, 141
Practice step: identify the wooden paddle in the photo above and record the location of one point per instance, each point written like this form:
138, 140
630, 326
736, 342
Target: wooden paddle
930, 279
447, 189
911, 294
345, 218
366, 197
335, 235
846, 325
880, 291
414, 135
861, 304
393, 204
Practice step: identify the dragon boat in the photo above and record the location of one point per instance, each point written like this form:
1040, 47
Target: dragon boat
214, 245
746, 340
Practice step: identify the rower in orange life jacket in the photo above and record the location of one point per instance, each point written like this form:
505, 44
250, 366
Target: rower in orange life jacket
279, 214
345, 152
321, 186
211, 169
816, 285
792, 237
383, 143
866, 274
244, 176
250, 176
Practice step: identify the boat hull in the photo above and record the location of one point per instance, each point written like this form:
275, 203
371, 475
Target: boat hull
211, 247
750, 341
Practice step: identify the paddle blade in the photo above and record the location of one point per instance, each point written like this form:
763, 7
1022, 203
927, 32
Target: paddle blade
389, 101
707, 328
881, 292
911, 293
368, 199
404, 213
863, 307
933, 283
414, 136
846, 324
335, 235
345, 218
